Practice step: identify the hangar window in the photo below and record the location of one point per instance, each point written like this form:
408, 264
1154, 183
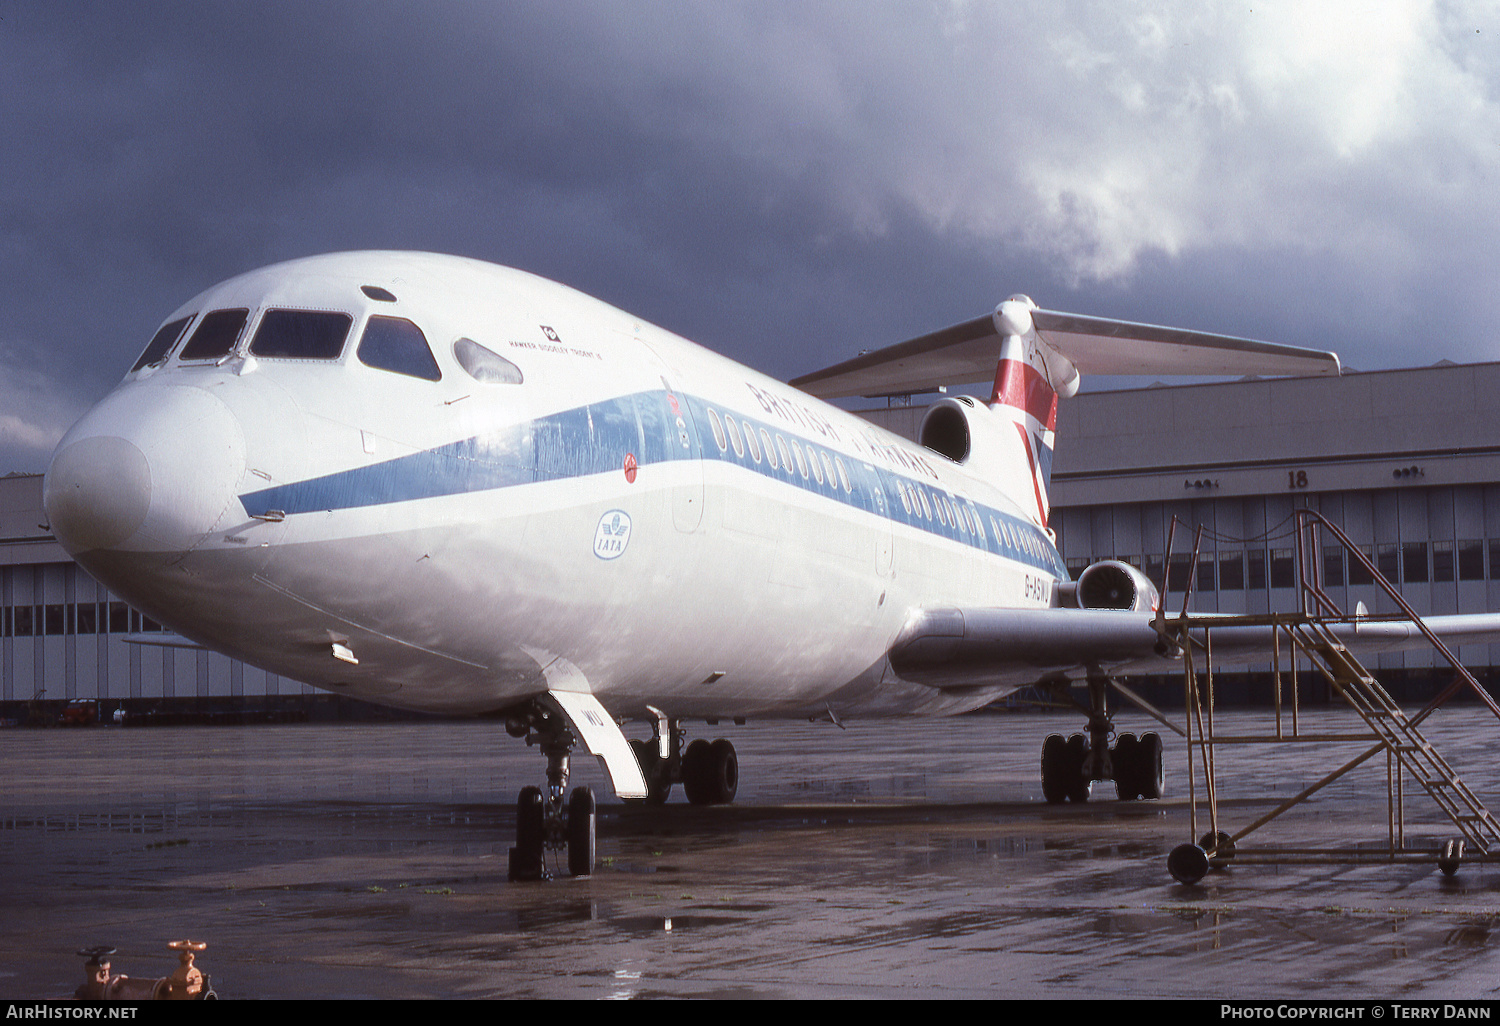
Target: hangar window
215, 335
1283, 568
1414, 568
22, 624
1388, 561
734, 435
1471, 559
161, 343
1255, 568
1442, 561
1357, 572
1206, 574
301, 335
718, 426
483, 365
1333, 566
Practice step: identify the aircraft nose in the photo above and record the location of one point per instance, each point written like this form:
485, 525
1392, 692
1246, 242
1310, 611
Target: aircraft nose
150, 471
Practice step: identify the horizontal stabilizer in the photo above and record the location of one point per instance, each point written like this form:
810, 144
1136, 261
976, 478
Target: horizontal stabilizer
967, 353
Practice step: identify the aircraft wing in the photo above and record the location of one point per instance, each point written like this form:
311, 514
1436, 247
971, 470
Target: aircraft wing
967, 353
964, 648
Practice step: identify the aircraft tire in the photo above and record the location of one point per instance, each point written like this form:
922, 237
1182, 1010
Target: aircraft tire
526, 856
1054, 769
1078, 750
724, 771
1127, 763
581, 832
694, 784
1153, 778
710, 772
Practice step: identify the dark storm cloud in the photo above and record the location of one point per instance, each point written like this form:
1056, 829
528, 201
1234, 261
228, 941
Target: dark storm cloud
785, 183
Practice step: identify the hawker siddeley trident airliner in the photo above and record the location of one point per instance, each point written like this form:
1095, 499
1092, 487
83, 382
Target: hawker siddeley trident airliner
449, 486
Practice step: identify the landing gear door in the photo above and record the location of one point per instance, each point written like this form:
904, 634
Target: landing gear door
599, 733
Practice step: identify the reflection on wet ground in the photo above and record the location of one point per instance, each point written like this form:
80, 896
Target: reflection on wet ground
908, 859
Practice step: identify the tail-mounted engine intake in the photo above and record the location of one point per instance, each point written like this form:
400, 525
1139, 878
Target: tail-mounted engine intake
1111, 584
968, 432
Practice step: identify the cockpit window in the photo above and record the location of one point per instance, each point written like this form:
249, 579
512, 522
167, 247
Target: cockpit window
161, 343
396, 344
301, 334
486, 366
215, 335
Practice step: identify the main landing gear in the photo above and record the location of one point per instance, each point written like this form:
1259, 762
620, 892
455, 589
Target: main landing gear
1070, 766
709, 771
545, 824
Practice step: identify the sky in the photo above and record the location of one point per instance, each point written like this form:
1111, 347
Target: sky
787, 183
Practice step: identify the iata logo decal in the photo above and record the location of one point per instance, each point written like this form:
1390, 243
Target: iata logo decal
612, 534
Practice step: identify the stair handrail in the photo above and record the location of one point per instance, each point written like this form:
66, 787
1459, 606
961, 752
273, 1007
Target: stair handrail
1310, 517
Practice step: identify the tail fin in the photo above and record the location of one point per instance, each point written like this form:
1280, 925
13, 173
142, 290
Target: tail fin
1026, 393
1042, 355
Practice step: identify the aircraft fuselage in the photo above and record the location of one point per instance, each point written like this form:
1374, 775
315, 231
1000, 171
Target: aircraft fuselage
596, 504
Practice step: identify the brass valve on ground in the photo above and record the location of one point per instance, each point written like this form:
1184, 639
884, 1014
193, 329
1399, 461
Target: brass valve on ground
188, 983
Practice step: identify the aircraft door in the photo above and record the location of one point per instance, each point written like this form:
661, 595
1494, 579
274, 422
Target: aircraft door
672, 420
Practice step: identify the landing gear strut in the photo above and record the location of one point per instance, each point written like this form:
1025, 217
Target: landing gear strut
708, 771
1071, 765
544, 822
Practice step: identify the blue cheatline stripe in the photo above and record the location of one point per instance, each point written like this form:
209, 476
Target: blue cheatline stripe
594, 439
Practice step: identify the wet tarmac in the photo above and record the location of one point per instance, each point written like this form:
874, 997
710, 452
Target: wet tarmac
900, 860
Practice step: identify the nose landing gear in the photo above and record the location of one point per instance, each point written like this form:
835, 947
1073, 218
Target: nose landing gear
544, 822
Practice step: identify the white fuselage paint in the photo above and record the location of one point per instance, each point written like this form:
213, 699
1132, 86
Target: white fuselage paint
297, 505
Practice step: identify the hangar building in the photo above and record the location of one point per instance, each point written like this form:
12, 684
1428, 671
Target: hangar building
1407, 461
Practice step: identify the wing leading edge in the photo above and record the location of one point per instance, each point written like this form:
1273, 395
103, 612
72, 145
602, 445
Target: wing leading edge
966, 648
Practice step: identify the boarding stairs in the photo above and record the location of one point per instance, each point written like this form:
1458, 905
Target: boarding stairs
1399, 733
1310, 633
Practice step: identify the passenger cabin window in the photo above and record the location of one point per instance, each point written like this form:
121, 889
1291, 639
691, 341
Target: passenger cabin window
161, 343
397, 345
215, 335
483, 365
301, 335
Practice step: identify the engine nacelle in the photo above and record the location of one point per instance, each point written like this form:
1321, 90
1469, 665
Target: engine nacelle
1111, 584
968, 432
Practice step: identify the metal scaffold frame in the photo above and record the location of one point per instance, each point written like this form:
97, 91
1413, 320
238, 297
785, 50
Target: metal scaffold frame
1308, 635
